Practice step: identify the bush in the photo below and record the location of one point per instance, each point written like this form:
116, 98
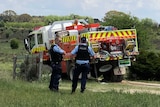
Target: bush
147, 66
14, 43
29, 69
2, 24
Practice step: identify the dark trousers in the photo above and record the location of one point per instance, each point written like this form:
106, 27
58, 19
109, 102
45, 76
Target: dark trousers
84, 69
55, 76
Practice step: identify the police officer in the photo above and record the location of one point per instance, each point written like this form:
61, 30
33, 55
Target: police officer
83, 53
56, 57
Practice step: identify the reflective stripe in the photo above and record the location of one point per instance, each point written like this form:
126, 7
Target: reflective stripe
38, 49
69, 38
107, 35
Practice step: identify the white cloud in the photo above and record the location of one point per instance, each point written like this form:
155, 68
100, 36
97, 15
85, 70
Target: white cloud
93, 8
154, 4
89, 4
140, 3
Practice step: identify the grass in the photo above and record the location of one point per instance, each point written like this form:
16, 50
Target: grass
18, 93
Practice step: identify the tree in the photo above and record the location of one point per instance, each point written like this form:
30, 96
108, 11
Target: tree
37, 19
9, 16
50, 19
24, 18
145, 33
1, 23
118, 19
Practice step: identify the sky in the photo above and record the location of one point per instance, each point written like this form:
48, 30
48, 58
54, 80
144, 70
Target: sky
92, 8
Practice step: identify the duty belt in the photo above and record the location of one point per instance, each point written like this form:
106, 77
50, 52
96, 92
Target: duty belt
56, 63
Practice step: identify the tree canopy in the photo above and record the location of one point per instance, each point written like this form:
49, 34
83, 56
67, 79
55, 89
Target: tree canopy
147, 29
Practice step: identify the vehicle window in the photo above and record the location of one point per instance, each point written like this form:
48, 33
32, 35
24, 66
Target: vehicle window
31, 41
39, 38
57, 27
67, 24
82, 22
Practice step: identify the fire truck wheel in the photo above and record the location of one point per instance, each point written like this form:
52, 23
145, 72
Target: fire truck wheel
70, 74
116, 78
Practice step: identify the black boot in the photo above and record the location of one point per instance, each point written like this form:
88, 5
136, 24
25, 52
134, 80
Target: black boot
82, 91
73, 91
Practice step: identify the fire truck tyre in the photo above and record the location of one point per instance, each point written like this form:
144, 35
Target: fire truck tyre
117, 78
105, 68
71, 70
71, 73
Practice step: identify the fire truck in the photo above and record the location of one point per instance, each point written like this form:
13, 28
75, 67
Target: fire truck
115, 49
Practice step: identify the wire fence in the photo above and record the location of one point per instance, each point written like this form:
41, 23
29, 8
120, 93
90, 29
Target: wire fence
26, 64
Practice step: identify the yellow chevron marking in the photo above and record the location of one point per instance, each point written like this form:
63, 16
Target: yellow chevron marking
68, 38
104, 35
93, 35
109, 34
85, 35
125, 34
119, 33
99, 35
114, 34
130, 33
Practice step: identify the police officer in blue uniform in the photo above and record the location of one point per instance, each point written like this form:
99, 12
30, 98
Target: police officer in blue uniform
83, 53
56, 54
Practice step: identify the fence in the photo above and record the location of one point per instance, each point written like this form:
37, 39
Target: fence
25, 64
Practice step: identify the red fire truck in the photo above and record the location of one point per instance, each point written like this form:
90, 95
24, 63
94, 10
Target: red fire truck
115, 49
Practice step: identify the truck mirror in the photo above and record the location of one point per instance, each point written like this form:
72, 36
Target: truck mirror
86, 19
26, 44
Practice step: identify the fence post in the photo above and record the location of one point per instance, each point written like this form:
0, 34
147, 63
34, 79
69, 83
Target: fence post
26, 65
40, 65
14, 66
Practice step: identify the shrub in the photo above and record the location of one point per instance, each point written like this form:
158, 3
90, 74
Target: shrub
14, 43
29, 69
2, 24
147, 66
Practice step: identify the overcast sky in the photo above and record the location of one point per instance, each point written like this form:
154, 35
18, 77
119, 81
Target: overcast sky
92, 8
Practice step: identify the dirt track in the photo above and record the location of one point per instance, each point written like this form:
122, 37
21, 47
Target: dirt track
152, 88
129, 87
141, 84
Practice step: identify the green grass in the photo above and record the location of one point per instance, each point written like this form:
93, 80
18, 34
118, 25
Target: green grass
36, 94
18, 93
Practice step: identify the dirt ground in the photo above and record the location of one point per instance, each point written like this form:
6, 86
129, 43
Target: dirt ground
125, 86
153, 88
129, 87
